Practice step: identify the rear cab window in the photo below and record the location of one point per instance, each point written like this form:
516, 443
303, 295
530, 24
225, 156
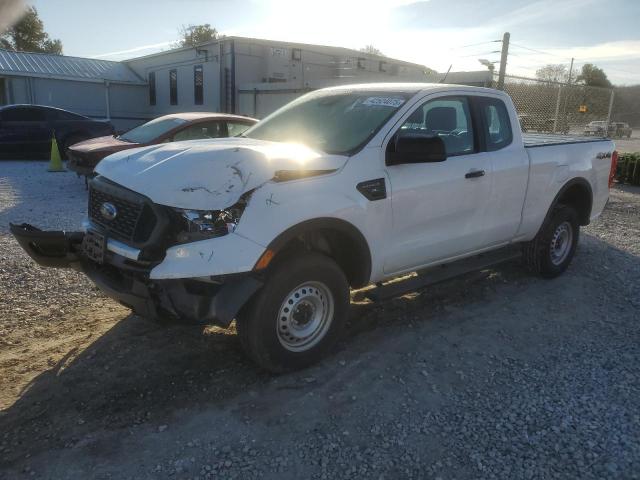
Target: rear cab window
496, 123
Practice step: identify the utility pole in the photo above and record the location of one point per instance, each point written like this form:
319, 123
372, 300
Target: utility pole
570, 71
503, 60
565, 115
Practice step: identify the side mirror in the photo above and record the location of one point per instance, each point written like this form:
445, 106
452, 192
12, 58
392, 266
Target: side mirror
416, 149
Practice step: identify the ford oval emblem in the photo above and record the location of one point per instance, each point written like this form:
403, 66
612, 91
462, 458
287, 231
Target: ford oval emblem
108, 210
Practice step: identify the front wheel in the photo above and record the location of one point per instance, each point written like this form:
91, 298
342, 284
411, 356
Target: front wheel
298, 315
552, 250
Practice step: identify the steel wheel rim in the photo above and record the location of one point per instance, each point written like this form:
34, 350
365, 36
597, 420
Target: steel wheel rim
561, 243
305, 316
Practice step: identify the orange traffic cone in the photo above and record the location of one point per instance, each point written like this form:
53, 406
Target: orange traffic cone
55, 161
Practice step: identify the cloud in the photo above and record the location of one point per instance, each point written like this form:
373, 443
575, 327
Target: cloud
142, 48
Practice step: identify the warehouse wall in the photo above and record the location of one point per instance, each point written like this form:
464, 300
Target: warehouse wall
17, 90
183, 61
128, 106
271, 74
85, 98
127, 102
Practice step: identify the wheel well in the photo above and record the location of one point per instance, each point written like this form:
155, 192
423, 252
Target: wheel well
577, 194
337, 239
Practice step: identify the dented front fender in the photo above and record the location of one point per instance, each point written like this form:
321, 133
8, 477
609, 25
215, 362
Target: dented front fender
226, 255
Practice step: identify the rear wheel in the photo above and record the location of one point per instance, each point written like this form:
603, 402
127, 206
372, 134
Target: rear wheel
298, 315
551, 251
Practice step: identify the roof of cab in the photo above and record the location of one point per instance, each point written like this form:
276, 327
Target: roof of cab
408, 87
191, 116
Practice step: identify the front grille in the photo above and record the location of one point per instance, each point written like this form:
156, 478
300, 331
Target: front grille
134, 220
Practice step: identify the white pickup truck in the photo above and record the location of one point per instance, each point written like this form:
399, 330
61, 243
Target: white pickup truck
341, 188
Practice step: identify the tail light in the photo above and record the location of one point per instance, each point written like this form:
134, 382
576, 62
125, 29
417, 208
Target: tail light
614, 166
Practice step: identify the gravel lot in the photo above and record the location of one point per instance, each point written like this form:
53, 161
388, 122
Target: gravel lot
628, 145
496, 374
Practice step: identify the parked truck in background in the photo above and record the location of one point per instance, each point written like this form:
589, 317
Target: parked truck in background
342, 188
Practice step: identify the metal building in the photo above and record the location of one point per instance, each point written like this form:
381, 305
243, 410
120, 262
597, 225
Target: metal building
232, 74
94, 88
254, 77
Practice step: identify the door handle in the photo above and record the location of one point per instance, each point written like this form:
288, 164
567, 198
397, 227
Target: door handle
474, 174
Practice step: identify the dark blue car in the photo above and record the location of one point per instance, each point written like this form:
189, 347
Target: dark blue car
26, 130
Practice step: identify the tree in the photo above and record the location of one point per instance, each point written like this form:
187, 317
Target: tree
593, 76
370, 49
553, 73
196, 34
28, 35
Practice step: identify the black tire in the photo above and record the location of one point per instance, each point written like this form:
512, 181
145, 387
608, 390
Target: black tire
541, 255
261, 328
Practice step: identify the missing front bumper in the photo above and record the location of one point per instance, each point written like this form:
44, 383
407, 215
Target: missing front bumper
121, 279
58, 249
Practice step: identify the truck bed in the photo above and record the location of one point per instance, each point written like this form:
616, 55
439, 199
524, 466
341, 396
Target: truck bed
532, 140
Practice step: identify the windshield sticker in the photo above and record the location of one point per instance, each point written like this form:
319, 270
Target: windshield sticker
383, 101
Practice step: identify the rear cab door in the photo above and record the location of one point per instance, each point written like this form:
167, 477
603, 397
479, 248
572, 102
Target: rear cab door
501, 140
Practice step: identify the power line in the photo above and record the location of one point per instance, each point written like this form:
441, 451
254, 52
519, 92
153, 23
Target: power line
476, 44
538, 51
478, 54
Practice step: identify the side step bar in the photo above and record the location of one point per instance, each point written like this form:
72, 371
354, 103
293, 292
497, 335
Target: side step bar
440, 273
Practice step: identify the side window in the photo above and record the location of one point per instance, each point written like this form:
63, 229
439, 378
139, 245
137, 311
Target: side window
198, 85
199, 131
24, 114
448, 118
236, 129
497, 124
152, 88
173, 87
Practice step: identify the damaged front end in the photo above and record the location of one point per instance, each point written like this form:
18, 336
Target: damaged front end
126, 237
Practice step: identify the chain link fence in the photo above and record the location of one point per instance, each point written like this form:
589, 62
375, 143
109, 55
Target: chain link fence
553, 107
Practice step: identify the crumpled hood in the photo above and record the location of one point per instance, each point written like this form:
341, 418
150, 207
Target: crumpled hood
208, 174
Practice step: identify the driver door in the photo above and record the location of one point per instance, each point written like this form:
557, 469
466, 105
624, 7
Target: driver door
438, 208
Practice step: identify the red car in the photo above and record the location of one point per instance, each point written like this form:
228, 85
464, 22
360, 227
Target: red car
84, 156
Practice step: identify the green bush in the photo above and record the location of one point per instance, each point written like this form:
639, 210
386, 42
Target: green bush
628, 170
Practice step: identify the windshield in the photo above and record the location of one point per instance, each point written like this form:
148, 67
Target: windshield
338, 122
151, 130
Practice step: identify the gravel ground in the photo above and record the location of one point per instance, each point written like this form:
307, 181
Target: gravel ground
628, 145
497, 374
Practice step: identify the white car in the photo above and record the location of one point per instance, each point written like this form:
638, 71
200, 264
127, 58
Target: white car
342, 188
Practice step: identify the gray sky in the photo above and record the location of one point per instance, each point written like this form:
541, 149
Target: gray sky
435, 33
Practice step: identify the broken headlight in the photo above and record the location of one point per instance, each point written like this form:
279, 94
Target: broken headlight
215, 223
202, 224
